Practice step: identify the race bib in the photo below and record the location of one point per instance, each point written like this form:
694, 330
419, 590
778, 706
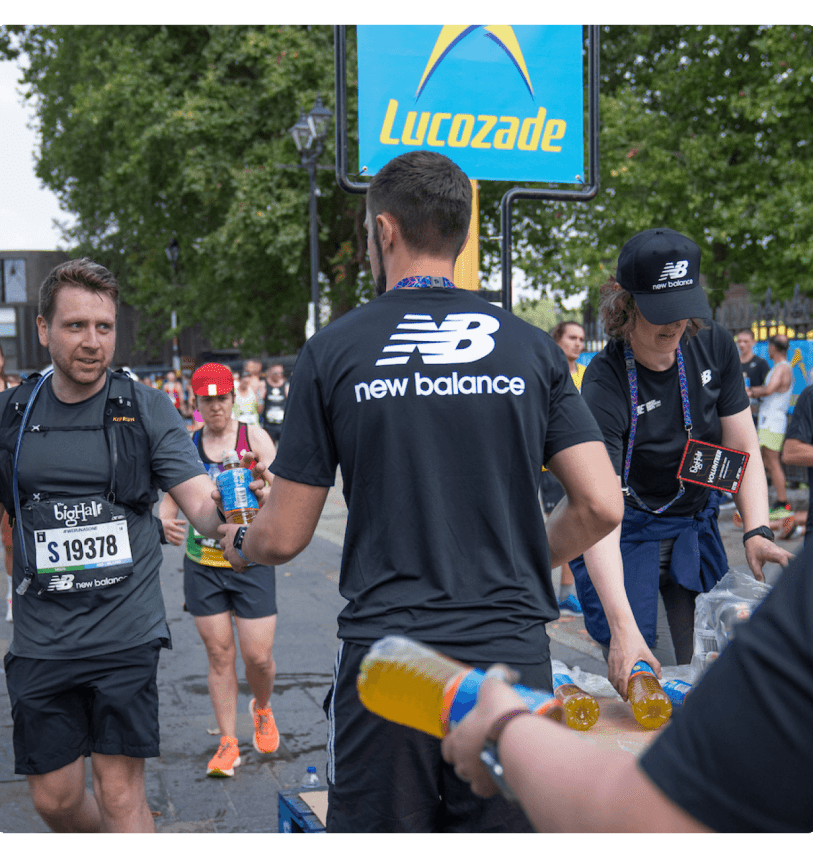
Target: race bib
275, 415
80, 544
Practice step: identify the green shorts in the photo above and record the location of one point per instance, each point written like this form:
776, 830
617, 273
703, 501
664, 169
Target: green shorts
770, 440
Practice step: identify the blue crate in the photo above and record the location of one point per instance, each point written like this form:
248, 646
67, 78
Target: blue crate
295, 816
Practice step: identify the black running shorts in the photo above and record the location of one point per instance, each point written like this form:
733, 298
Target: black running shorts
210, 590
63, 710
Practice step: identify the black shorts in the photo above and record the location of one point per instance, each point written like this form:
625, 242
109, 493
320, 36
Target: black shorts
63, 710
210, 590
384, 777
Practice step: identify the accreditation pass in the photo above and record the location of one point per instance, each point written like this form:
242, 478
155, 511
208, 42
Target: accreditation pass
71, 549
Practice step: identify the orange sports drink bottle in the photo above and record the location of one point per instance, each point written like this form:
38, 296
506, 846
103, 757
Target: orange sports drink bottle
581, 708
411, 684
239, 502
650, 704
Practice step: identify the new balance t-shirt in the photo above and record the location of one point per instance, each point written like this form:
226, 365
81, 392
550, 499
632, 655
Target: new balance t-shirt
716, 389
441, 410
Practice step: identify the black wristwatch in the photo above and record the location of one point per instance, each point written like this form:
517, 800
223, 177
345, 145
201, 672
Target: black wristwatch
762, 530
239, 535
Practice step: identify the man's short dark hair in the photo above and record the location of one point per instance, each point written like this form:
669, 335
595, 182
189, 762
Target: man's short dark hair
559, 330
84, 273
429, 196
780, 342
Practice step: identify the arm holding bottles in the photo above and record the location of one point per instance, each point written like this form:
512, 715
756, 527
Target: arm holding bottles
563, 783
606, 569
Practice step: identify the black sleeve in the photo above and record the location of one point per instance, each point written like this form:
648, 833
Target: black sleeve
739, 754
801, 421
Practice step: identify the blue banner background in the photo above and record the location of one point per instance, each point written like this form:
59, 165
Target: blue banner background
476, 77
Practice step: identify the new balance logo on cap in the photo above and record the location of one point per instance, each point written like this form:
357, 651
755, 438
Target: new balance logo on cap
673, 270
459, 338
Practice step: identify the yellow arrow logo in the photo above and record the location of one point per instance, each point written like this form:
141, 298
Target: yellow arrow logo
452, 34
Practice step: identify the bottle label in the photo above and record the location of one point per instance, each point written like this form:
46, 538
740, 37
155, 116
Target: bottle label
561, 679
676, 690
538, 701
234, 490
642, 667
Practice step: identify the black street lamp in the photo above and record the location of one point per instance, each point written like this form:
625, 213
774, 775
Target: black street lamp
309, 135
173, 251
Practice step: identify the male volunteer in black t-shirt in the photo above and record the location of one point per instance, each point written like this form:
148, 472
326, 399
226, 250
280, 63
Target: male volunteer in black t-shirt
441, 411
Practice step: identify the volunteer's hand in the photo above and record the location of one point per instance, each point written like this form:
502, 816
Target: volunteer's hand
462, 745
626, 647
759, 551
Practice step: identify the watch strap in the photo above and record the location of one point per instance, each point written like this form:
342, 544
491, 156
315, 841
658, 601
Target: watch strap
763, 530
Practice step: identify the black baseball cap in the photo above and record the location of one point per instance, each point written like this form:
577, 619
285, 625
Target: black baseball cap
661, 269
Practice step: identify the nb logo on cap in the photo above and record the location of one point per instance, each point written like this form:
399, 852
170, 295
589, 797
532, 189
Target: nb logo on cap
673, 270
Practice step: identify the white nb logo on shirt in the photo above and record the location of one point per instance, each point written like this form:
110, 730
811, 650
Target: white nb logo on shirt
705, 376
460, 338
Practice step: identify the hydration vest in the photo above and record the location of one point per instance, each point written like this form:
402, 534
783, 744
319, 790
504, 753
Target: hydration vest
130, 474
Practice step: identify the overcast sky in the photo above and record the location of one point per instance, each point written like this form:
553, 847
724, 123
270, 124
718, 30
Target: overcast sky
27, 210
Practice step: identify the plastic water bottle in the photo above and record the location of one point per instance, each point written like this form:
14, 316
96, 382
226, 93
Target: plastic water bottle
650, 706
239, 502
411, 684
581, 709
311, 779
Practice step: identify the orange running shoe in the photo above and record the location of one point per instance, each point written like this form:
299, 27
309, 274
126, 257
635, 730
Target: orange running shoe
227, 758
266, 735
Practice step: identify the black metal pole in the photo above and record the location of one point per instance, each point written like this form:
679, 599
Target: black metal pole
314, 243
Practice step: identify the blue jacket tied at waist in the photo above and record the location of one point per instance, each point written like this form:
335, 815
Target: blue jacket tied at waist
698, 562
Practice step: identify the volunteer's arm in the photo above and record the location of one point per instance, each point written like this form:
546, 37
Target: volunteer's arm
562, 782
797, 453
592, 505
281, 529
605, 567
752, 498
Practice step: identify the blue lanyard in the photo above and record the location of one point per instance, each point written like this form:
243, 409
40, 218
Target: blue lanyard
632, 376
424, 283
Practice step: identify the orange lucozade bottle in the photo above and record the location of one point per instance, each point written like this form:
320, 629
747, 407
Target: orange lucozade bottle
650, 704
412, 684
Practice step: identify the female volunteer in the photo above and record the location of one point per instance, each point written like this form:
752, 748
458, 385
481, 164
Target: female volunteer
666, 375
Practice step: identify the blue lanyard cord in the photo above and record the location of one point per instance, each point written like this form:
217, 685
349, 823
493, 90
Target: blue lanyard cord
29, 575
632, 376
424, 283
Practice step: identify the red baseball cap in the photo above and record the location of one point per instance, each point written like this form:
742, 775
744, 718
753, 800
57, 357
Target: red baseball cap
212, 379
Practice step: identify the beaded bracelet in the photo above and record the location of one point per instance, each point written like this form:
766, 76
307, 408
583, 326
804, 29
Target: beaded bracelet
502, 722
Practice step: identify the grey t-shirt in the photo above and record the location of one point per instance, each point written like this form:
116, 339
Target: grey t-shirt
76, 463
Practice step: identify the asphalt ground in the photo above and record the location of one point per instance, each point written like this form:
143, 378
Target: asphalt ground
180, 795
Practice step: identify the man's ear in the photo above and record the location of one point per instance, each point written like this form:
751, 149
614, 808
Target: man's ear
387, 228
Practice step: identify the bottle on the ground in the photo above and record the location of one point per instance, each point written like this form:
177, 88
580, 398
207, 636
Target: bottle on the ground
409, 683
239, 502
676, 690
581, 709
650, 705
311, 779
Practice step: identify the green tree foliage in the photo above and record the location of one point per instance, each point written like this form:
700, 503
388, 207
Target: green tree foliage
154, 132
703, 129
